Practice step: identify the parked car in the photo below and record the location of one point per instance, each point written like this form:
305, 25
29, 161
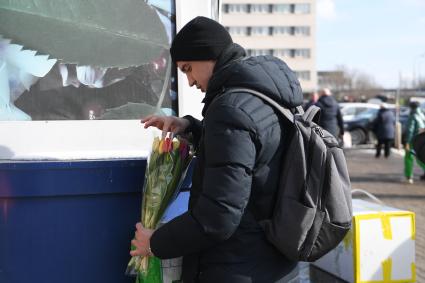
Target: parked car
360, 125
350, 110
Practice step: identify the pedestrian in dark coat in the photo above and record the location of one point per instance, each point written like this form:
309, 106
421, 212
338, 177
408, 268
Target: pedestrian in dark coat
240, 145
384, 129
314, 97
330, 114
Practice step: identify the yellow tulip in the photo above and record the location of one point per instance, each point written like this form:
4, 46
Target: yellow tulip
160, 148
155, 144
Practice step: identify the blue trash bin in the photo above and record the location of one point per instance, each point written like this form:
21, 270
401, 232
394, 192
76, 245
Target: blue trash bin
68, 222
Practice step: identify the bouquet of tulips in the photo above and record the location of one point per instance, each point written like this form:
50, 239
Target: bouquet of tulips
167, 167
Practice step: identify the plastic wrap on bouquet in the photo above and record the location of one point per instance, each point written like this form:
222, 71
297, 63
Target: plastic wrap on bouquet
167, 168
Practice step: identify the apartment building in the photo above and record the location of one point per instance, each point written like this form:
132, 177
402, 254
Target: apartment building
283, 28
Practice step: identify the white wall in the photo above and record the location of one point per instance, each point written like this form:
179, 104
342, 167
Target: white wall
63, 140
190, 98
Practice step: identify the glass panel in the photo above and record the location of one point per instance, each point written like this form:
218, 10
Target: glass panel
111, 62
259, 8
237, 8
281, 30
258, 52
238, 31
302, 9
367, 114
348, 111
282, 8
303, 30
303, 75
283, 52
360, 109
259, 31
304, 53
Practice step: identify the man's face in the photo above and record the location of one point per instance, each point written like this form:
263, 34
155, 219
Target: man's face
198, 72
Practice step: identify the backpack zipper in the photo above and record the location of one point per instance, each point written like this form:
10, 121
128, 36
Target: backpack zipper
319, 131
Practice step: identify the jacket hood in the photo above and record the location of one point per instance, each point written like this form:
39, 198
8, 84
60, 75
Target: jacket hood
327, 101
266, 74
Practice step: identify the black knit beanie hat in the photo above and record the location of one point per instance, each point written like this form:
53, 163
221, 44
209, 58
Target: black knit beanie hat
200, 39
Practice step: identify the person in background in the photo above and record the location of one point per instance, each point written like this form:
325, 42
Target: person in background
415, 125
330, 114
419, 148
384, 129
239, 148
314, 97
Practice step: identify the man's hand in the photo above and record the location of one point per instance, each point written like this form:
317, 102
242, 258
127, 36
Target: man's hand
141, 241
407, 147
166, 123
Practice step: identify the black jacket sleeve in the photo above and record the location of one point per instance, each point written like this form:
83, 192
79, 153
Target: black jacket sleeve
340, 121
195, 127
229, 153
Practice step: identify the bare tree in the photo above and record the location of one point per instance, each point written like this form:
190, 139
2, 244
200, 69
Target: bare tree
350, 83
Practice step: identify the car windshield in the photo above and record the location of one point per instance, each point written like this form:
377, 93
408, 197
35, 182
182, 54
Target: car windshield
367, 114
348, 111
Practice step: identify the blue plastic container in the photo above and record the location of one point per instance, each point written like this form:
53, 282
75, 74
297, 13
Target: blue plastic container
68, 221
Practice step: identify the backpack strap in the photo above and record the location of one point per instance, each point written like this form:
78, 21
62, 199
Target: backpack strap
286, 112
310, 114
300, 110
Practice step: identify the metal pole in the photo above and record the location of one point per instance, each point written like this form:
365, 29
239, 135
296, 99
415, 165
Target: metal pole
398, 130
416, 70
418, 73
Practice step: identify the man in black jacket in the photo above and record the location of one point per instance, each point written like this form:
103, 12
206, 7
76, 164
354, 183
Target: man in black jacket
239, 147
330, 114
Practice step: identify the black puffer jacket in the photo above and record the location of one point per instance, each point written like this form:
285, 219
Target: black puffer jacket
330, 115
235, 178
384, 124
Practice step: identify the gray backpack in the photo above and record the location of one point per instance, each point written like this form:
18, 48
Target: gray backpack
313, 212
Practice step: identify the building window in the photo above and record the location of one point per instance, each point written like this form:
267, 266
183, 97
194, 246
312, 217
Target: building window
258, 52
297, 31
281, 30
303, 53
302, 31
237, 8
259, 31
238, 31
259, 8
282, 53
292, 53
302, 8
303, 75
281, 8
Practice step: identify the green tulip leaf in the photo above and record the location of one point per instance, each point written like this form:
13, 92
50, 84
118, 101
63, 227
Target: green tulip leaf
102, 33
